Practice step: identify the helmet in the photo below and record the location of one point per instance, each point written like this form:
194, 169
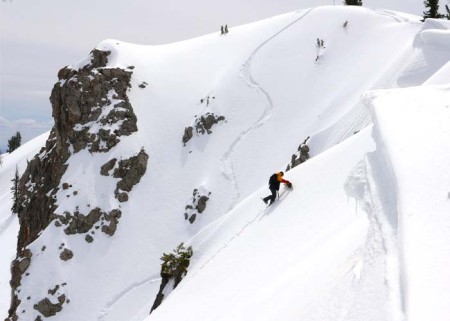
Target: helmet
281, 173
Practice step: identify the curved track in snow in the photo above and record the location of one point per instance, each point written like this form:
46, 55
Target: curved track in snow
128, 290
227, 167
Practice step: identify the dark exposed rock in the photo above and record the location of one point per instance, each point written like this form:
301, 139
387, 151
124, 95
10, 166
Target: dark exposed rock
198, 204
47, 308
201, 204
122, 197
130, 172
143, 85
54, 290
192, 218
66, 254
113, 219
203, 125
99, 58
160, 295
38, 186
18, 268
91, 111
106, 168
89, 238
188, 133
78, 99
80, 223
301, 156
93, 94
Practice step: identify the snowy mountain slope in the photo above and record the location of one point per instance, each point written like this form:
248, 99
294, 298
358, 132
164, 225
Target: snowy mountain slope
385, 232
279, 263
317, 250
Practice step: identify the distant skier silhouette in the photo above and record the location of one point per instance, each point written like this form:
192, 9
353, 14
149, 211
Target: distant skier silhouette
274, 185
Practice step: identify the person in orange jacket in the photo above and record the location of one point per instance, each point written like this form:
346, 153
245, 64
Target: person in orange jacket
274, 185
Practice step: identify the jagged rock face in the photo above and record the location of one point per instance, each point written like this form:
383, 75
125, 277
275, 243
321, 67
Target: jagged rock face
37, 191
93, 94
301, 156
130, 172
91, 111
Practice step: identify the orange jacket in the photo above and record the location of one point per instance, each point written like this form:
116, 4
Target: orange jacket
281, 180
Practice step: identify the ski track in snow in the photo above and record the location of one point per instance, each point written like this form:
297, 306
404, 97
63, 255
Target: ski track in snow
105, 311
259, 216
227, 163
393, 15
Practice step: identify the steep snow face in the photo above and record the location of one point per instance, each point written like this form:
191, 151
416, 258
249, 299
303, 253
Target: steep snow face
417, 152
217, 115
306, 257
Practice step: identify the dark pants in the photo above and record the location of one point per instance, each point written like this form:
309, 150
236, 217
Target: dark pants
272, 197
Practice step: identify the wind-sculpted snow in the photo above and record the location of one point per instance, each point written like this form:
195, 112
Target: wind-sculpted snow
417, 158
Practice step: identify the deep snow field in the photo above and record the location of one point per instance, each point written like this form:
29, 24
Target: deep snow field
365, 233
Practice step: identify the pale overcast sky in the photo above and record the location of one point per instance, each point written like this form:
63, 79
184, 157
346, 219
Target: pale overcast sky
38, 37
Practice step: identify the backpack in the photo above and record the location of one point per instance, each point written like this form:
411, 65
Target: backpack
273, 180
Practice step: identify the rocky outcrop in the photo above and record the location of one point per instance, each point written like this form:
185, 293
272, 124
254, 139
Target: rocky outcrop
188, 134
66, 255
301, 156
92, 112
130, 172
107, 167
202, 125
90, 95
96, 219
93, 95
47, 307
197, 204
19, 266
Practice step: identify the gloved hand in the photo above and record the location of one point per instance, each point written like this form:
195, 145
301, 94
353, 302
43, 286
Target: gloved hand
289, 185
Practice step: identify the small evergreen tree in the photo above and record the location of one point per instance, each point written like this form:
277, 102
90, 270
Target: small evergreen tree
433, 9
353, 2
16, 192
175, 264
448, 12
14, 142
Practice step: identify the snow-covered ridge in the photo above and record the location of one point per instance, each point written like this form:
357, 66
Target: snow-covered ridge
339, 246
